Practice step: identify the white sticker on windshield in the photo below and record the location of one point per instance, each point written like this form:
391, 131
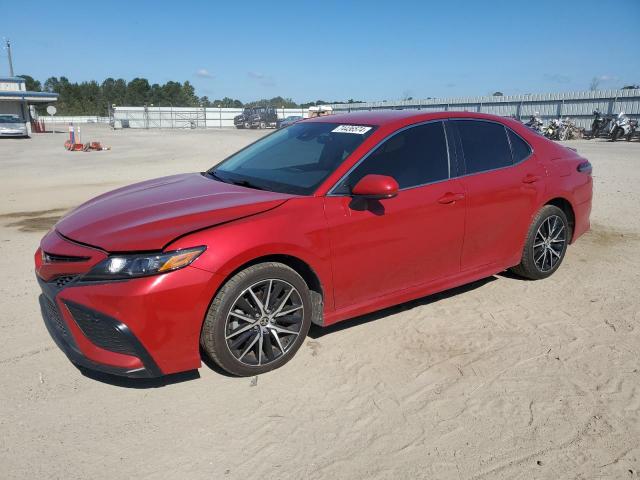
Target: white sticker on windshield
358, 129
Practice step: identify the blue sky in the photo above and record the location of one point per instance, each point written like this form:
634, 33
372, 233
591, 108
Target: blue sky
330, 50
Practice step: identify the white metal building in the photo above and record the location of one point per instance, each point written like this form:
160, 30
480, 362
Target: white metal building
15, 98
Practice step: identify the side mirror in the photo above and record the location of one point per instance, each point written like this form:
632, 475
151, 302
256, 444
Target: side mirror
376, 187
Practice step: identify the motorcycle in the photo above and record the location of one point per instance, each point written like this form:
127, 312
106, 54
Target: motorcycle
564, 132
569, 130
621, 127
552, 130
599, 124
562, 129
632, 131
535, 123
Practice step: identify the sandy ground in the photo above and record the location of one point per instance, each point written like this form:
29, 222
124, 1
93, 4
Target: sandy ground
503, 378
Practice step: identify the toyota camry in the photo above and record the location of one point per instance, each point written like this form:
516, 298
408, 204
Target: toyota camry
327, 219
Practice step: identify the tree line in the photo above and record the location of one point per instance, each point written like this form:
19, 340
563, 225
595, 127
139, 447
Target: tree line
93, 98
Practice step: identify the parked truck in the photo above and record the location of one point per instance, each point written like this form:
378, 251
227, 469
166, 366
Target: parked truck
256, 117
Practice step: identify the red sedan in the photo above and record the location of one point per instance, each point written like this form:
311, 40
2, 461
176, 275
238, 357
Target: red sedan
324, 220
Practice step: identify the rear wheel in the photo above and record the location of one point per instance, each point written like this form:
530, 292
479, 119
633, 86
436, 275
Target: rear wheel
546, 244
258, 320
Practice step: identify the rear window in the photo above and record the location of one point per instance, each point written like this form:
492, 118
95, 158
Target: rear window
484, 144
520, 149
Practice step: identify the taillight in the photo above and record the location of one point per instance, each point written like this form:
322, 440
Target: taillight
585, 167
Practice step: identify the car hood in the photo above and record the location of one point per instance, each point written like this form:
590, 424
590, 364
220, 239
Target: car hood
149, 215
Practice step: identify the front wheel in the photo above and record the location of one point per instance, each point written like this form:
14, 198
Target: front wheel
630, 135
615, 134
258, 320
545, 245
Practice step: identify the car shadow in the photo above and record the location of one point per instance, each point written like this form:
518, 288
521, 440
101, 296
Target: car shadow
314, 333
513, 276
318, 332
140, 383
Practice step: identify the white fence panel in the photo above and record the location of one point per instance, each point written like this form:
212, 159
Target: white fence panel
73, 119
187, 117
578, 106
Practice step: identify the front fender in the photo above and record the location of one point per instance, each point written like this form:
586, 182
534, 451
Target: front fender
296, 229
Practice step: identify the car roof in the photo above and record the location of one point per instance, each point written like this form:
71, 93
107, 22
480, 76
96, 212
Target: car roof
399, 118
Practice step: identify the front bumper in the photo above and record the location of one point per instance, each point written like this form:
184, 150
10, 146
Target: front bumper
142, 327
13, 133
148, 326
107, 332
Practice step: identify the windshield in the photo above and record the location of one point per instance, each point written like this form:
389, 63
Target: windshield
9, 119
294, 160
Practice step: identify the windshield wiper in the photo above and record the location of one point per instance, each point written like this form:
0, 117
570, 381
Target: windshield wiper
241, 183
246, 183
215, 176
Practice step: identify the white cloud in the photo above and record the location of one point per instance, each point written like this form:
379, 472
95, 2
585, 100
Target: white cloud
204, 73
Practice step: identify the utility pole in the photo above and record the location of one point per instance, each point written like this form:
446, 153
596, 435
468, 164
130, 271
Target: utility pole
10, 61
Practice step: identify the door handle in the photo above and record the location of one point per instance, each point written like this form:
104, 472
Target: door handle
530, 178
450, 197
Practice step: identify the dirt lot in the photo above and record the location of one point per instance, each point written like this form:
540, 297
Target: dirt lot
503, 378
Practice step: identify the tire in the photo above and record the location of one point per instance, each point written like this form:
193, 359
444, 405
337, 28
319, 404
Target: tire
237, 340
263, 125
614, 134
532, 265
247, 125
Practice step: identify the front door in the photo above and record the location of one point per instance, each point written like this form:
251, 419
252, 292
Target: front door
382, 246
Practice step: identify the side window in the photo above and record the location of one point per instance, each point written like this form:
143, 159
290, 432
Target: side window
412, 157
519, 147
484, 144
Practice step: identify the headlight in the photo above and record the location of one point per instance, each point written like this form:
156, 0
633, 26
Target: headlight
118, 267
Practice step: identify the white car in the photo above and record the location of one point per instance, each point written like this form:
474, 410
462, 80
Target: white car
12, 126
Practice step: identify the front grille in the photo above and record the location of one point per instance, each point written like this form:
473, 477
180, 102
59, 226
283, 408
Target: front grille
62, 281
52, 313
53, 258
103, 331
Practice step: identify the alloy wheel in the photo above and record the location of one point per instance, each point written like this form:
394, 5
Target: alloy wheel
264, 322
549, 243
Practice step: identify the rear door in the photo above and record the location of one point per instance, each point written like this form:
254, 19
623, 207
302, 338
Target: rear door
379, 247
503, 180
